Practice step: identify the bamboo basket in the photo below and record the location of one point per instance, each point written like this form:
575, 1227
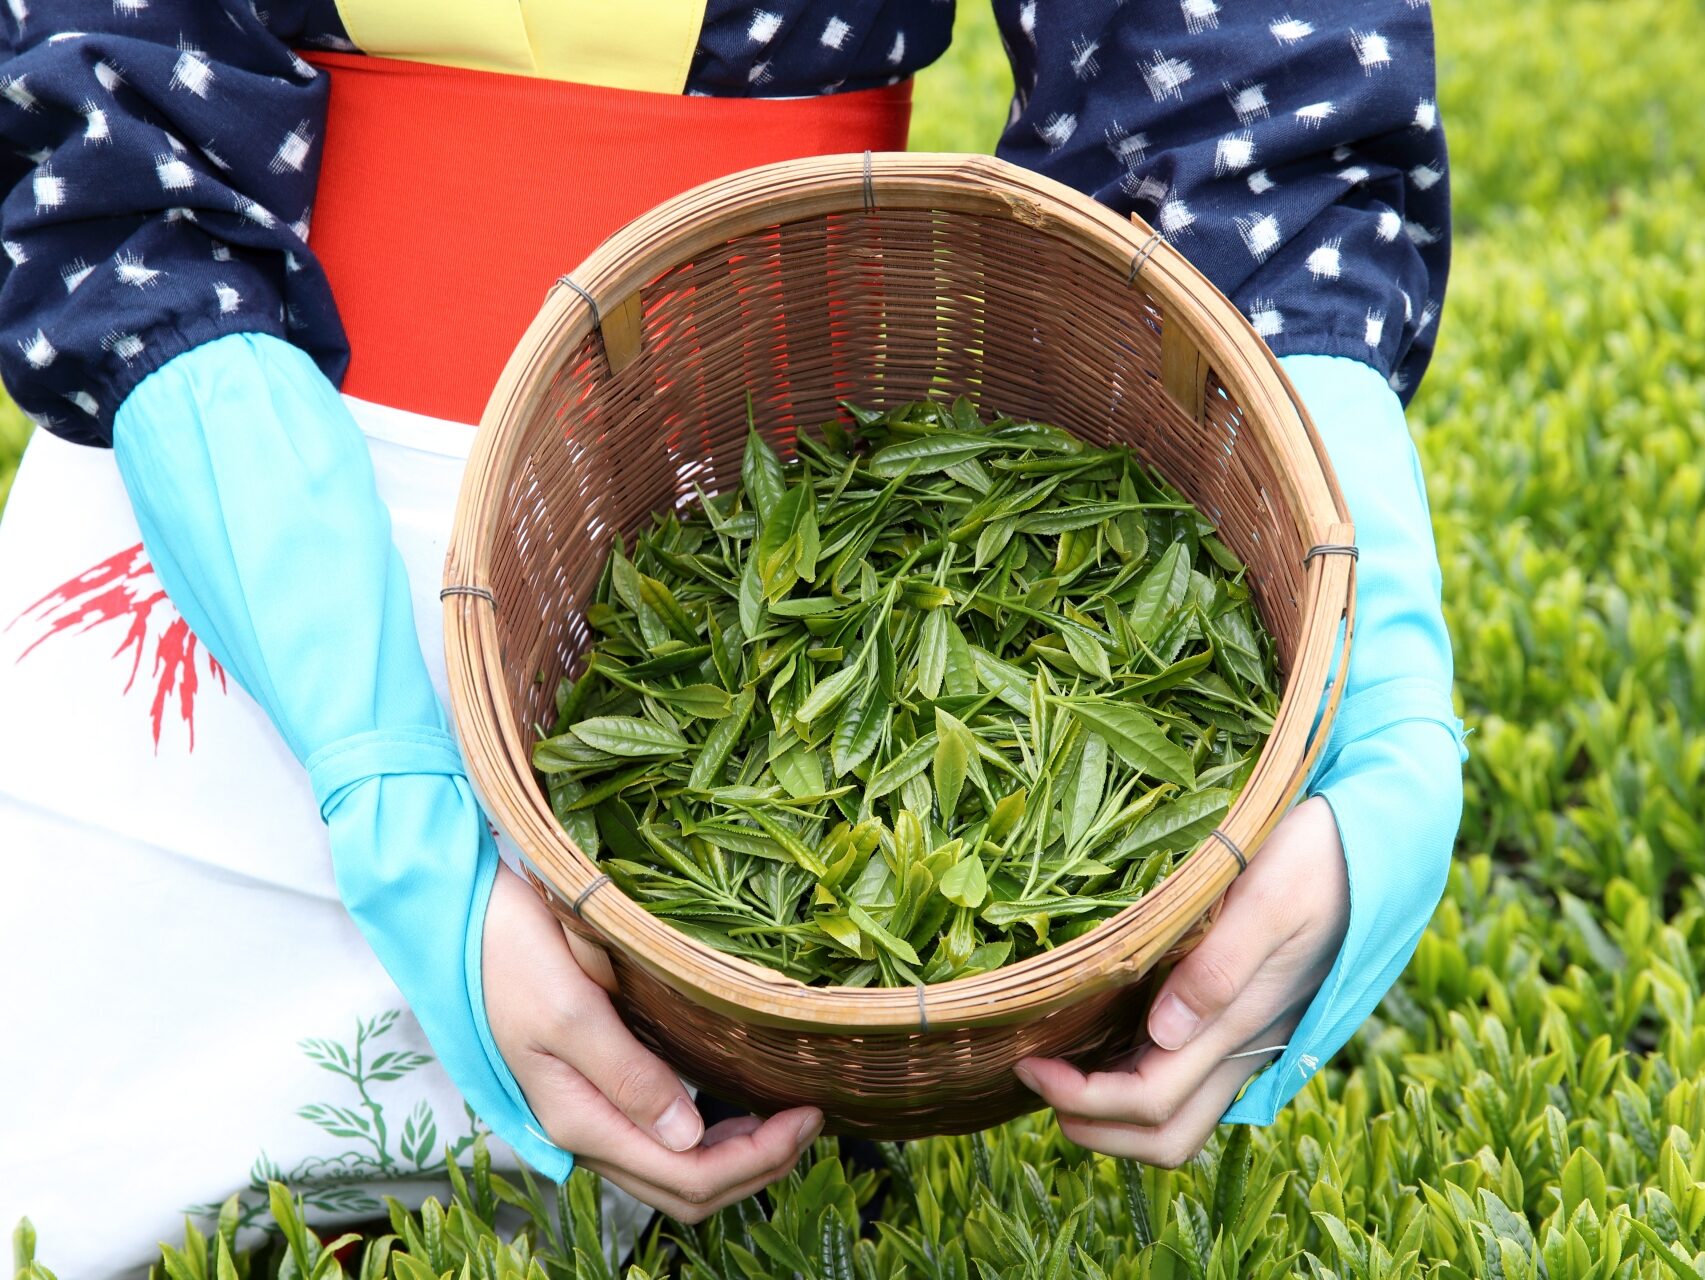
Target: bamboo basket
880, 280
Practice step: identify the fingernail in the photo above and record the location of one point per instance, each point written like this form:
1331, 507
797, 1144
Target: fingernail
809, 1128
680, 1126
1027, 1079
1171, 1023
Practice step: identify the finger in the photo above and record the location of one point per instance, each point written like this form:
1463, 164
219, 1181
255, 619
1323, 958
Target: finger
694, 1184
733, 1127
1154, 1084
684, 1211
581, 1029
581, 1119
592, 1038
1178, 1140
1263, 911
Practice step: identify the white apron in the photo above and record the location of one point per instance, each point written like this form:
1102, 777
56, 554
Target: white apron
186, 1010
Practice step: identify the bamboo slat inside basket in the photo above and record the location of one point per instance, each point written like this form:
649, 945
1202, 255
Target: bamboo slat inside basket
807, 283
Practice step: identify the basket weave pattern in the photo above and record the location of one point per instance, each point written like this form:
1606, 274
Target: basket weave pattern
879, 282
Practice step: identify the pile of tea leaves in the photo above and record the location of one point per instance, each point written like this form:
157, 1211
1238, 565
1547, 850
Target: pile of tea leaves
937, 695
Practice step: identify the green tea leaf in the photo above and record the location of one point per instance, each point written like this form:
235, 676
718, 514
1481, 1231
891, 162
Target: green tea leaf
1137, 740
761, 475
627, 736
1178, 825
858, 732
1161, 593
830, 693
926, 455
952, 757
704, 701
965, 883
799, 770
899, 948
1086, 788
932, 652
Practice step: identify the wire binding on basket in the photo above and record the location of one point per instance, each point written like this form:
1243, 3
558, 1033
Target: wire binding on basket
1256, 1053
597, 320
481, 592
1143, 254
1333, 549
869, 186
587, 892
1231, 846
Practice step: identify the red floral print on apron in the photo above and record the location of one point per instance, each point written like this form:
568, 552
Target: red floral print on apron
122, 589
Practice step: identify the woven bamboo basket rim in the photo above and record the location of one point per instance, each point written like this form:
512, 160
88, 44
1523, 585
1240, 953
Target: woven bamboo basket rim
498, 751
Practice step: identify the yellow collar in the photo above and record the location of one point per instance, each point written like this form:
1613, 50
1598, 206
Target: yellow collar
618, 44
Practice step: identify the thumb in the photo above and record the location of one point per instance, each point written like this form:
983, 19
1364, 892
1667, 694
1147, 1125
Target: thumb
1264, 909
546, 1003
1203, 985
639, 1084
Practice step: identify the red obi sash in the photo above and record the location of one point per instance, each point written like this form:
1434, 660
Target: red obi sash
449, 200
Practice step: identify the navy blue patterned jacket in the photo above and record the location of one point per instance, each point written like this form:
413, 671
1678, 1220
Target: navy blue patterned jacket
160, 160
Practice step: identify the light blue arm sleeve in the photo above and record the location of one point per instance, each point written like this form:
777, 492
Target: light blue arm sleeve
255, 495
1392, 768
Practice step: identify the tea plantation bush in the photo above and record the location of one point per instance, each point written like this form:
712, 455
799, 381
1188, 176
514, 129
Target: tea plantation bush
1530, 1100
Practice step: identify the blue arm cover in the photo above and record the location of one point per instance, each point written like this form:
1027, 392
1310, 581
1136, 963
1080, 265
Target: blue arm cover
256, 499
1392, 768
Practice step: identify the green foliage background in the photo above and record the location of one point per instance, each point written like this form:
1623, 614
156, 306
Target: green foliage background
1530, 1100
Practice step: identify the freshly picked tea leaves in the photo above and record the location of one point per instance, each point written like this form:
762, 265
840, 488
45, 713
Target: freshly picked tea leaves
936, 696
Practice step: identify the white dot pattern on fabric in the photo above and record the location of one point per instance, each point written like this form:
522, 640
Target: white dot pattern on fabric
1267, 319
1372, 49
1249, 103
96, 128
1084, 64
49, 190
835, 33
38, 351
132, 270
1165, 76
1234, 153
193, 73
292, 153
1260, 234
173, 173
1174, 216
16, 91
1199, 15
126, 346
1425, 175
1057, 130
1128, 147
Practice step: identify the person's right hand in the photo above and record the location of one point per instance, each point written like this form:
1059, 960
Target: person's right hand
603, 1095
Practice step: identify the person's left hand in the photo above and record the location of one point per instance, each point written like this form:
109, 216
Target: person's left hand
1243, 988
